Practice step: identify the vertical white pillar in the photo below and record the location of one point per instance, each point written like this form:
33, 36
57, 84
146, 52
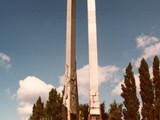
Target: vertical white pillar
70, 99
94, 104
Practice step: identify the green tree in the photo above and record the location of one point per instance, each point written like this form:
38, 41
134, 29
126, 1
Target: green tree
103, 113
54, 105
156, 84
83, 108
38, 110
115, 111
146, 91
52, 110
131, 102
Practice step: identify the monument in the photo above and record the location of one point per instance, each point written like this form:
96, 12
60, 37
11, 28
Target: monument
70, 98
94, 103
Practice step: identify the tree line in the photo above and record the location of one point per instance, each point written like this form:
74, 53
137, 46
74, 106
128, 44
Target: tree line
52, 110
142, 106
149, 92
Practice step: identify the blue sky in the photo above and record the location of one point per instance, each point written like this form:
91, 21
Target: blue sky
32, 48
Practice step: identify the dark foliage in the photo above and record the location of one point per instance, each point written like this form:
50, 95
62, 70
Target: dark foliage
115, 111
131, 102
38, 110
156, 85
146, 91
54, 105
83, 108
103, 113
52, 110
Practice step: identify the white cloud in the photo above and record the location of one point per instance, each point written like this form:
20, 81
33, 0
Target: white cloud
150, 47
25, 111
152, 50
137, 82
109, 73
4, 57
145, 40
30, 89
4, 61
83, 82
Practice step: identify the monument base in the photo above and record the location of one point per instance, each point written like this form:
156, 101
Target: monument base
94, 117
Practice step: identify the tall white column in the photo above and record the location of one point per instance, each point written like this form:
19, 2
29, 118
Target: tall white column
70, 99
94, 104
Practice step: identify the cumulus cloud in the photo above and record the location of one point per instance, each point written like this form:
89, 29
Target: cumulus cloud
106, 74
5, 61
150, 47
152, 50
30, 89
83, 82
145, 40
109, 73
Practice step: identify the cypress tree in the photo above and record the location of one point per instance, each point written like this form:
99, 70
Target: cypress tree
38, 110
115, 111
103, 113
52, 110
131, 102
33, 112
156, 83
146, 91
54, 105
